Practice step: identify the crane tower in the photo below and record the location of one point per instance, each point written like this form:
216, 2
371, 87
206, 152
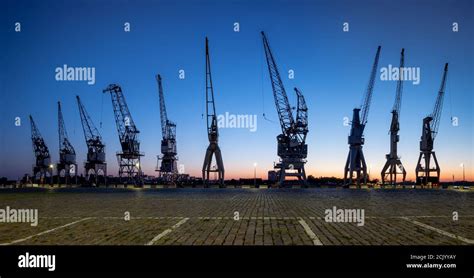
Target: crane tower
168, 168
212, 130
67, 166
95, 165
428, 133
43, 168
292, 147
129, 158
355, 159
393, 165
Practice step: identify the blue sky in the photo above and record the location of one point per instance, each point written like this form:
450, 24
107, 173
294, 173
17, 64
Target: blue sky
331, 68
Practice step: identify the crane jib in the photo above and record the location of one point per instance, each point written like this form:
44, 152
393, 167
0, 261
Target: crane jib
281, 99
370, 88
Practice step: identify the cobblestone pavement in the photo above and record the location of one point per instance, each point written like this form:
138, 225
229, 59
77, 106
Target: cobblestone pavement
238, 217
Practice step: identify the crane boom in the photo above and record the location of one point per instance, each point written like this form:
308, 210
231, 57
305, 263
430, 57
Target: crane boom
65, 147
370, 88
91, 133
163, 114
436, 115
212, 129
301, 115
398, 95
279, 94
39, 146
127, 131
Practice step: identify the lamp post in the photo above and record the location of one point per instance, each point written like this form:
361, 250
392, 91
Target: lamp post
255, 174
51, 166
463, 174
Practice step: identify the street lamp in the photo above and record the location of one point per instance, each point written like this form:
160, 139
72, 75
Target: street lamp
51, 166
255, 174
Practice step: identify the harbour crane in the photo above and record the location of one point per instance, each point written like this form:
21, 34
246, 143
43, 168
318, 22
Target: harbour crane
43, 166
129, 158
212, 130
292, 147
95, 164
393, 165
428, 134
67, 155
168, 168
355, 159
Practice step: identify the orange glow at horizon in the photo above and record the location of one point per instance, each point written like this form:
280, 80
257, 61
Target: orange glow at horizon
446, 174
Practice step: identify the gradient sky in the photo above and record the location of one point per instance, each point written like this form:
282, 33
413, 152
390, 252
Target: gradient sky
331, 68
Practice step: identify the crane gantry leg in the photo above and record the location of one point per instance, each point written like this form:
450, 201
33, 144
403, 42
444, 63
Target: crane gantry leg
423, 172
355, 163
213, 150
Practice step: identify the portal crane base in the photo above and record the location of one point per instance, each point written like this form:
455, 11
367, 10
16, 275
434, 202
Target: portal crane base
296, 169
44, 172
66, 173
213, 149
423, 173
355, 163
390, 173
94, 171
167, 170
130, 168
